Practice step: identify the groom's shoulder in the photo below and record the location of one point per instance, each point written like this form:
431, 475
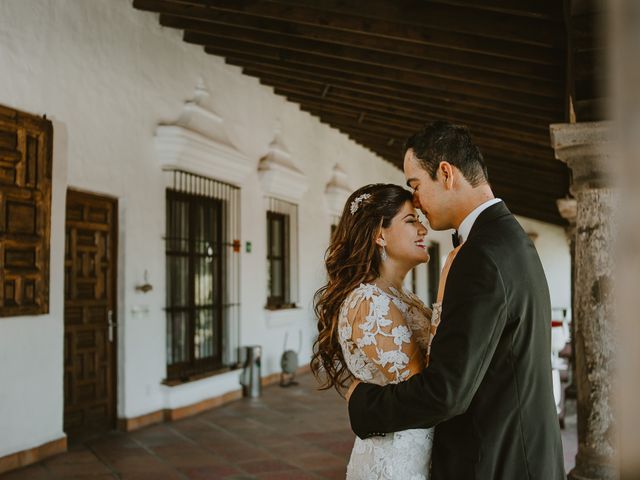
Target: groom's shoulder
497, 231
495, 241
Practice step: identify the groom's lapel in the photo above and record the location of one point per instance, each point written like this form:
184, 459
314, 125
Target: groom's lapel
489, 215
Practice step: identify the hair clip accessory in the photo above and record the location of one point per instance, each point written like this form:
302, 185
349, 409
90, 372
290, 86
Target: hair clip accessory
356, 203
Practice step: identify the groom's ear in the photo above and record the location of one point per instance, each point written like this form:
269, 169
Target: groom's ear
445, 169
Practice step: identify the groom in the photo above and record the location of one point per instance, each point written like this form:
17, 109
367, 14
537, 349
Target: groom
488, 385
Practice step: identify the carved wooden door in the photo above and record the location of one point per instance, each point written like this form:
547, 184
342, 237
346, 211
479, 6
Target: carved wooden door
25, 212
90, 335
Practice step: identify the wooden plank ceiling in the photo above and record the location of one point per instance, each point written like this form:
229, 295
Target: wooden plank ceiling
377, 70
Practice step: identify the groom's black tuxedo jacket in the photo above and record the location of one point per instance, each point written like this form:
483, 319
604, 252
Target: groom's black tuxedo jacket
488, 385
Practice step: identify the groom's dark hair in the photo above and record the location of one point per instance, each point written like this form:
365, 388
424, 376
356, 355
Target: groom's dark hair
443, 141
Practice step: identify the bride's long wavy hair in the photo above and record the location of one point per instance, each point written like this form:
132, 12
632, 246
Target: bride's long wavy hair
351, 259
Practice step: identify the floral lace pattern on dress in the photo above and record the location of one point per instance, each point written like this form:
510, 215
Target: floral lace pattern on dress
379, 332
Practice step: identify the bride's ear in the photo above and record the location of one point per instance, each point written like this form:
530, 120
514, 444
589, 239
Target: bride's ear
380, 241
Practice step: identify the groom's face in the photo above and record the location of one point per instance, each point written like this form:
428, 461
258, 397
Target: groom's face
429, 195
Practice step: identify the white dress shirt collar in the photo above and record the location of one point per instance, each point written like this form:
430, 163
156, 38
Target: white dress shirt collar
467, 223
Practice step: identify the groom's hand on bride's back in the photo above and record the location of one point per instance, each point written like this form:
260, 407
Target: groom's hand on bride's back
352, 387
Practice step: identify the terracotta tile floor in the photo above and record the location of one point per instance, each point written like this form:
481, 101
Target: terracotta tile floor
291, 433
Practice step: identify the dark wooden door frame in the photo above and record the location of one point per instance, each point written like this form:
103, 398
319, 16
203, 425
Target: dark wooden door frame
112, 299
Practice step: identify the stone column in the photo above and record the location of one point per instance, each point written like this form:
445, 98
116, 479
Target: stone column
624, 94
586, 149
568, 210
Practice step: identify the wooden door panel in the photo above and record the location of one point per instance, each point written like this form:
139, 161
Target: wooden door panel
25, 212
90, 345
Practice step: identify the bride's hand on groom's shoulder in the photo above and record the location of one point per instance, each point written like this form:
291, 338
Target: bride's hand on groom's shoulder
352, 387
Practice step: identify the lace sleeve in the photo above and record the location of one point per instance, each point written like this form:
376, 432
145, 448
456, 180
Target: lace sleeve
380, 331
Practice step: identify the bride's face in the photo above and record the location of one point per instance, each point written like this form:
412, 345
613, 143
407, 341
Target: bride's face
405, 238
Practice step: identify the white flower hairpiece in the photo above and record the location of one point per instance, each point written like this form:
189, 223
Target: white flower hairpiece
356, 203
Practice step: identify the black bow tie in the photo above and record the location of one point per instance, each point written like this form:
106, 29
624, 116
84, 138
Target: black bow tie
455, 239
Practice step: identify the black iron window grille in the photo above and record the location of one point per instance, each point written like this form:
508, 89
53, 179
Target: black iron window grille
203, 275
282, 254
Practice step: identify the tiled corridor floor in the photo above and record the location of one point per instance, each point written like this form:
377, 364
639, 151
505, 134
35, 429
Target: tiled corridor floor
289, 433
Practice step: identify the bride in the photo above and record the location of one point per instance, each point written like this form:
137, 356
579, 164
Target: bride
370, 327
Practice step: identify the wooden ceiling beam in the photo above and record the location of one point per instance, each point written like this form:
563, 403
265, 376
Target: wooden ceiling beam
515, 101
544, 171
547, 9
276, 76
491, 128
495, 127
254, 66
282, 78
394, 128
406, 106
333, 76
409, 19
545, 181
540, 10
417, 57
398, 132
455, 41
487, 85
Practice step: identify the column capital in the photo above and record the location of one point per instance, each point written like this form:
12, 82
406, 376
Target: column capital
588, 151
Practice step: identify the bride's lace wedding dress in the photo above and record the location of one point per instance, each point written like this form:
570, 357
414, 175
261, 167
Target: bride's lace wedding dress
385, 337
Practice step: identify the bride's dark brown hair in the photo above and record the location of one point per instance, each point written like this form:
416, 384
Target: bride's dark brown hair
351, 259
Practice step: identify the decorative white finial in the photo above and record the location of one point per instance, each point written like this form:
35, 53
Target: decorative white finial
201, 92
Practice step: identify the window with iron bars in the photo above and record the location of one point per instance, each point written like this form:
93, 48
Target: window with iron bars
282, 254
202, 267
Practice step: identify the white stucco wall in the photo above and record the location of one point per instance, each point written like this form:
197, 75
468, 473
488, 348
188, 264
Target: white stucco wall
106, 75
553, 248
